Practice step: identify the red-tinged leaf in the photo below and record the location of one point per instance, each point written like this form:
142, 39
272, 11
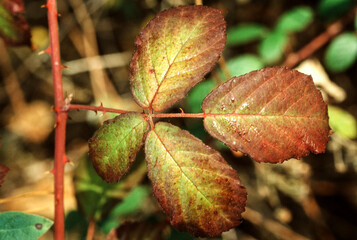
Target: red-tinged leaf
174, 52
200, 192
3, 172
13, 26
272, 114
113, 147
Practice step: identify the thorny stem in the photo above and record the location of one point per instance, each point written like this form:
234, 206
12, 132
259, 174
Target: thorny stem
61, 118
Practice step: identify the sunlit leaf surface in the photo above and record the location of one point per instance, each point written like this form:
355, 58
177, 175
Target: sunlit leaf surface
200, 192
174, 52
19, 226
113, 147
272, 114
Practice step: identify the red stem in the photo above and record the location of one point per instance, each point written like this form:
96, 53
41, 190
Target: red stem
61, 118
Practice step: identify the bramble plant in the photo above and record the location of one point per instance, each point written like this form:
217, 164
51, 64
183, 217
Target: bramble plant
272, 115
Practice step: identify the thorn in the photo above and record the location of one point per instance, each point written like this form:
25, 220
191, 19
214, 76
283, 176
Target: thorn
71, 163
48, 50
182, 112
52, 171
52, 109
44, 6
59, 15
330, 132
64, 66
103, 111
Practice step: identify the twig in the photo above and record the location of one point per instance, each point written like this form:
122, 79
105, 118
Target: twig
294, 58
272, 226
60, 131
91, 230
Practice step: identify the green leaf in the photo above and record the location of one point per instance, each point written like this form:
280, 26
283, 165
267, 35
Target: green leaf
330, 9
174, 52
271, 49
245, 33
295, 20
198, 93
114, 146
342, 52
342, 122
244, 64
13, 27
18, 225
272, 114
200, 192
130, 205
96, 197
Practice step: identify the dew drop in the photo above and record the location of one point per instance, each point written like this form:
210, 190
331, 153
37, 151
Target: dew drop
232, 99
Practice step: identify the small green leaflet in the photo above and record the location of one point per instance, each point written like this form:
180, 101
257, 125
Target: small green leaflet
174, 52
20, 226
200, 192
295, 20
272, 114
114, 146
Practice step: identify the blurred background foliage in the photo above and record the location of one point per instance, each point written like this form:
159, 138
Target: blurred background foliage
312, 198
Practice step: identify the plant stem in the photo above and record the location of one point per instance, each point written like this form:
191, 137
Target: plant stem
61, 116
93, 108
294, 58
178, 115
91, 230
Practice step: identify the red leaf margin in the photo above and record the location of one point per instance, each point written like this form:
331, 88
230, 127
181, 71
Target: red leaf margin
272, 114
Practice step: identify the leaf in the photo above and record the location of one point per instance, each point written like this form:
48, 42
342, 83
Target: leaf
13, 27
342, 52
331, 9
18, 225
3, 172
174, 52
342, 122
114, 146
96, 197
132, 203
244, 64
245, 33
237, 66
295, 20
200, 192
272, 114
198, 93
272, 47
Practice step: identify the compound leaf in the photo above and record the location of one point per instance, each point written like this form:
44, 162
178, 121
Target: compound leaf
174, 52
272, 114
200, 192
19, 226
113, 147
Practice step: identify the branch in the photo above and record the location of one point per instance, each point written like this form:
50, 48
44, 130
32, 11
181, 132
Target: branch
294, 58
61, 118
